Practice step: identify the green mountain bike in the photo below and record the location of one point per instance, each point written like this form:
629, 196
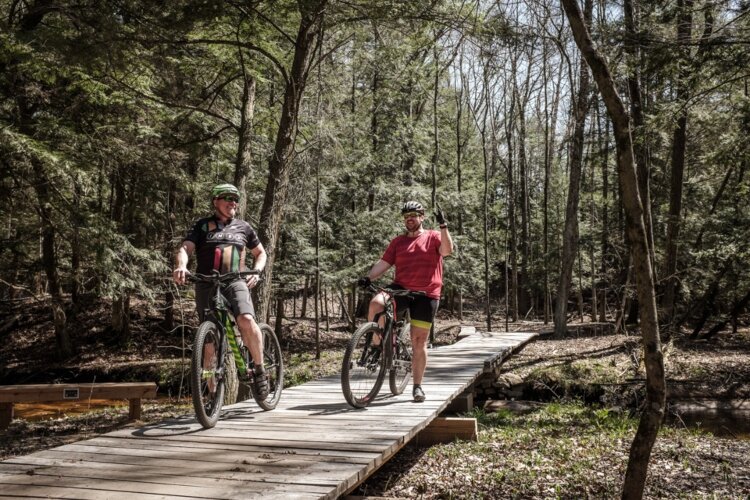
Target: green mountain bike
218, 350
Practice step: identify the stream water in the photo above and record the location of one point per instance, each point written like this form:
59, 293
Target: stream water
46, 411
729, 419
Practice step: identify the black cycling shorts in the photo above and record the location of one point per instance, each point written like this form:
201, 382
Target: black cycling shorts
237, 293
421, 308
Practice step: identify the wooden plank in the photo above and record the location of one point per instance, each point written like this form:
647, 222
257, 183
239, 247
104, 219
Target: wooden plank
136, 487
74, 392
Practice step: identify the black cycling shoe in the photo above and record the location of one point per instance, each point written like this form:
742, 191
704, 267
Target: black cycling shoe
260, 383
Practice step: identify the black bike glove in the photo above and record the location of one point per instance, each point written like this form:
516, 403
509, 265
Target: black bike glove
363, 282
440, 217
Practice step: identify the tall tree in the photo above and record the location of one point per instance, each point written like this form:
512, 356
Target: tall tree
653, 412
679, 145
570, 232
280, 164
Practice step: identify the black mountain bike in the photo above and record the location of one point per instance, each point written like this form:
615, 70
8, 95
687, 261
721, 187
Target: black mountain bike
365, 364
218, 348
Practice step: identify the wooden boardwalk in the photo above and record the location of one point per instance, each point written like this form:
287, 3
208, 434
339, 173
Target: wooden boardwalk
312, 446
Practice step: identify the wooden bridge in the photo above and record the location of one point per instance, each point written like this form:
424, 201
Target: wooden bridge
312, 446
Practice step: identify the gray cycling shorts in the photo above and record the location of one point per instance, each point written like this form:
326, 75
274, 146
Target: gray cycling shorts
237, 293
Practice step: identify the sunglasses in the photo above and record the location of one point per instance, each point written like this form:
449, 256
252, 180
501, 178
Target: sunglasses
409, 215
228, 197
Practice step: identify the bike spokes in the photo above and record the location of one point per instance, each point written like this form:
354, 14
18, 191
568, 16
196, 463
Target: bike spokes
274, 368
207, 372
363, 367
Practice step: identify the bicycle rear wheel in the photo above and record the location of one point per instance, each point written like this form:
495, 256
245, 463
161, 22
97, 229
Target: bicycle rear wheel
363, 368
206, 375
400, 372
274, 366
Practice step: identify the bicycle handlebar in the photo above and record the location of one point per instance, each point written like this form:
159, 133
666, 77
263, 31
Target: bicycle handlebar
396, 293
220, 278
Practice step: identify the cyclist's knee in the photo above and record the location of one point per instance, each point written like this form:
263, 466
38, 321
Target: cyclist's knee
246, 320
378, 301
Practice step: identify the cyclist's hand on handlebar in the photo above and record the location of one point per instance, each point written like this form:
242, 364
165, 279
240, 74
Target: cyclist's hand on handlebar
179, 275
252, 280
364, 282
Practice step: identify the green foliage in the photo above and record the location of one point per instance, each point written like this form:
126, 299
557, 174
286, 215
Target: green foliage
130, 112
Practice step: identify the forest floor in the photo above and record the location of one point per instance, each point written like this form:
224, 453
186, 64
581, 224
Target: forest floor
567, 435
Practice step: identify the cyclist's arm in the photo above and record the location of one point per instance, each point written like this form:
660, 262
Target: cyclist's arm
378, 270
181, 261
259, 262
446, 242
259, 257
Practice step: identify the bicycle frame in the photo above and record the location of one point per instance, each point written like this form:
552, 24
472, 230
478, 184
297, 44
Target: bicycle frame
225, 322
390, 323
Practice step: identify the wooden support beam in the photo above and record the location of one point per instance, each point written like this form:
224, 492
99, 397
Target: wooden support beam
447, 430
462, 404
6, 415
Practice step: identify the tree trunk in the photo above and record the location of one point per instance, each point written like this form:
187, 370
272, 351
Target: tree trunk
277, 326
640, 451
435, 135
27, 126
605, 224
460, 144
49, 261
550, 124
120, 321
525, 299
280, 164
244, 162
511, 209
303, 313
570, 231
75, 249
679, 143
640, 149
736, 310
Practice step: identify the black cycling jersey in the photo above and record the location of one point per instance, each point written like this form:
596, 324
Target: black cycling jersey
221, 247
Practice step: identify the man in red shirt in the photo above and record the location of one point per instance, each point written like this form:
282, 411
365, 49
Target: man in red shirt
418, 257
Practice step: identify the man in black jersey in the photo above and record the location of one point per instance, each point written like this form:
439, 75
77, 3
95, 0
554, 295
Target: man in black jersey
221, 242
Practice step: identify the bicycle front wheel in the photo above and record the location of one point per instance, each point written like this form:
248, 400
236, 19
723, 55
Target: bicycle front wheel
401, 369
363, 369
274, 366
206, 374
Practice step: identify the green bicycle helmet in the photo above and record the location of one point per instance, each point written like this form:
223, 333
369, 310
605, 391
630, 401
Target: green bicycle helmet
221, 189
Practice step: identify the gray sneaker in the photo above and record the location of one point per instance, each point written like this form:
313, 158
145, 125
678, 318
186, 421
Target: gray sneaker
418, 394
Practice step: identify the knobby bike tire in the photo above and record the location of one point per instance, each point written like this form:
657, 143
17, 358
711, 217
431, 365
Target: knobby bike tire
274, 366
361, 377
207, 403
400, 371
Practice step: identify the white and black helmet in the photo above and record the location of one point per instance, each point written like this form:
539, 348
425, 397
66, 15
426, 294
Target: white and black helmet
412, 206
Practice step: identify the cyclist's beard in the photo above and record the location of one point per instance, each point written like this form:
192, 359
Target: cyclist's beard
413, 226
227, 213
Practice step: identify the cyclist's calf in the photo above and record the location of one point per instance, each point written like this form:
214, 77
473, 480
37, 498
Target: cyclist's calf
251, 336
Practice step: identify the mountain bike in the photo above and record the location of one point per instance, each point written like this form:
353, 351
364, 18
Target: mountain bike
365, 364
218, 349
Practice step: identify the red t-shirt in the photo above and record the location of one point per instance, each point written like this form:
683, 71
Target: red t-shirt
419, 265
